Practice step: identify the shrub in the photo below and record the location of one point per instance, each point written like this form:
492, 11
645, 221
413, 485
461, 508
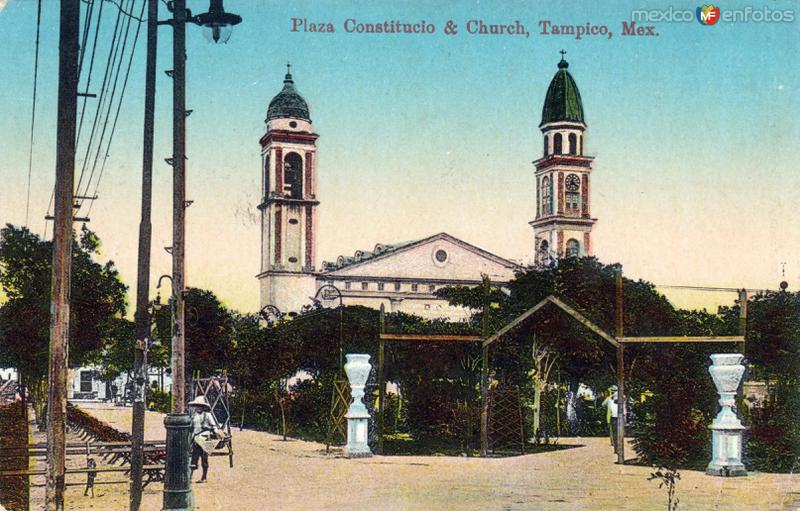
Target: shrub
158, 400
774, 437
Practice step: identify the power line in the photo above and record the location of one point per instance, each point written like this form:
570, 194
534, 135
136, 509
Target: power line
100, 99
33, 109
91, 67
86, 28
87, 20
712, 289
119, 107
118, 65
128, 14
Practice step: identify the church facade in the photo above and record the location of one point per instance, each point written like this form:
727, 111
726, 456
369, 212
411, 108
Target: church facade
404, 276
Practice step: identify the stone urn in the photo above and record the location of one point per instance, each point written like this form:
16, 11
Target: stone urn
726, 430
357, 369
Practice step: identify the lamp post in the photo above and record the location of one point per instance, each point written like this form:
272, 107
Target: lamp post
177, 475
268, 312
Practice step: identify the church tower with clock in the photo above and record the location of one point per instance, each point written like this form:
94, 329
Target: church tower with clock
288, 208
562, 225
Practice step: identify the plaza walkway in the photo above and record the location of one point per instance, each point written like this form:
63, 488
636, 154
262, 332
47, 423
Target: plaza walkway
270, 474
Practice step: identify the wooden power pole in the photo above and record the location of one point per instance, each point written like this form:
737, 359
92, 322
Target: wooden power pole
178, 204
381, 381
177, 484
485, 369
621, 395
143, 270
742, 318
62, 253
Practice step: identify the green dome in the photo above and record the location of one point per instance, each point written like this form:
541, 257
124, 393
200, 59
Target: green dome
563, 101
288, 103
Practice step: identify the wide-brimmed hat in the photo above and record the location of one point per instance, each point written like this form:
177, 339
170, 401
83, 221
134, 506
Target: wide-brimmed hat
200, 401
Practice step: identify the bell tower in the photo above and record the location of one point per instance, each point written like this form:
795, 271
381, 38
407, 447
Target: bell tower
562, 225
288, 207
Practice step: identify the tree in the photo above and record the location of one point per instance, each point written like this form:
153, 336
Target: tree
116, 355
209, 333
97, 302
773, 350
543, 362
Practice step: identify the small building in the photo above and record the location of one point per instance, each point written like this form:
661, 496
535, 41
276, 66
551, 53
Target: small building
88, 385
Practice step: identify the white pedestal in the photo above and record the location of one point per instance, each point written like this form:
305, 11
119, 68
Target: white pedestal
726, 429
357, 369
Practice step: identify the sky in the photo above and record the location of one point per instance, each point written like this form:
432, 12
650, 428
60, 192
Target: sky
694, 132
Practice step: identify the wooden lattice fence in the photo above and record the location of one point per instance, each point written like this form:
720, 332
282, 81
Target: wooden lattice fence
506, 425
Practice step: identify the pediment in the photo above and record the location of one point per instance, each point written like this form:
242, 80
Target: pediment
438, 257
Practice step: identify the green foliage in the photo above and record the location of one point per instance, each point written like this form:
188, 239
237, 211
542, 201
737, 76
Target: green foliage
116, 355
774, 436
158, 400
209, 334
773, 348
667, 477
773, 340
97, 301
593, 419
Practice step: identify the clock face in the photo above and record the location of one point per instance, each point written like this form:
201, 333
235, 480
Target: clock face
573, 182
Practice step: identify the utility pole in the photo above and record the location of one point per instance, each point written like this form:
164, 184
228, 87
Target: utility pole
143, 270
742, 318
621, 396
177, 476
381, 381
485, 369
62, 253
178, 203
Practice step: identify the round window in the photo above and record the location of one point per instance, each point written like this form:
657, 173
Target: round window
441, 256
292, 259
292, 124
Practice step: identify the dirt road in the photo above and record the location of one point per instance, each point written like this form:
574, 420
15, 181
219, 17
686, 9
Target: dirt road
270, 474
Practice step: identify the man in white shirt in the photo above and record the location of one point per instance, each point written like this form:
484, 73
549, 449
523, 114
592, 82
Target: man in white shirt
612, 413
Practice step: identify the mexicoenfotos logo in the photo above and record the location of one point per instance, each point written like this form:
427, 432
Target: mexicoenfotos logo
708, 15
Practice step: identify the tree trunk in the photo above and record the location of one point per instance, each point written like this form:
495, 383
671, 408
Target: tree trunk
282, 407
572, 408
537, 405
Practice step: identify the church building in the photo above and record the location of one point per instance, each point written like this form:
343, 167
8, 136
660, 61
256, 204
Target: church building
403, 276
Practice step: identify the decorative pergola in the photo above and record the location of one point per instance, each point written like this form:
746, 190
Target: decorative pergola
618, 341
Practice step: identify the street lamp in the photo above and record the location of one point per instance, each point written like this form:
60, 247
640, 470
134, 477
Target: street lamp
177, 483
216, 22
270, 314
328, 292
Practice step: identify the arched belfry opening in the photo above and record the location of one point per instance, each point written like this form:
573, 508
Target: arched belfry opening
557, 143
293, 176
573, 248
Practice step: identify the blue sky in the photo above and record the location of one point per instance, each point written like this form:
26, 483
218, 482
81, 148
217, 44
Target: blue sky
694, 133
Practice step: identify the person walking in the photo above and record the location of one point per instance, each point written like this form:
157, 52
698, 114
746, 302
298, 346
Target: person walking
612, 412
91, 474
203, 429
